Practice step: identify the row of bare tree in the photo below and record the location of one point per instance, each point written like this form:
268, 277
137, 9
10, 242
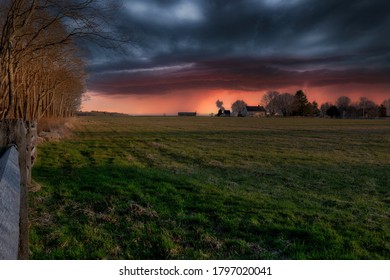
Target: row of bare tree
41, 70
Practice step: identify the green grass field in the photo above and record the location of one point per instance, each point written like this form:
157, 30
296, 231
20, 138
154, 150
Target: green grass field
213, 188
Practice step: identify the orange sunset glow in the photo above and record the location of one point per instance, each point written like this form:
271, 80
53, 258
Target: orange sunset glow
204, 102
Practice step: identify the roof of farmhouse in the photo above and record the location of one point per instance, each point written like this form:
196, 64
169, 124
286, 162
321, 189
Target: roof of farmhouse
255, 109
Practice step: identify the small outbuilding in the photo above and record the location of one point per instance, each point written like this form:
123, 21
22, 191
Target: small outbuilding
186, 114
223, 113
255, 111
226, 113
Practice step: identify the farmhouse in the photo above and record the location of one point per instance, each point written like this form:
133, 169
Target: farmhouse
186, 114
255, 111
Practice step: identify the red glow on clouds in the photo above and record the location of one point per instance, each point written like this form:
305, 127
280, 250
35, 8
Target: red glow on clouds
196, 86
203, 101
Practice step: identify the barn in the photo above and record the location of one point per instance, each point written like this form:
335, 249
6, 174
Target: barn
255, 111
186, 114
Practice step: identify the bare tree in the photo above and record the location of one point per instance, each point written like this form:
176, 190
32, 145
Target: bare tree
285, 103
386, 104
343, 102
270, 102
239, 108
53, 74
367, 108
324, 108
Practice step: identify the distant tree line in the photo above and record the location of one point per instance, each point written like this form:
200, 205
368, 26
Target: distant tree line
41, 70
363, 108
286, 104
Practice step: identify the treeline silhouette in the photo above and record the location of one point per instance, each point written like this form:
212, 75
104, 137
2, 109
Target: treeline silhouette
286, 104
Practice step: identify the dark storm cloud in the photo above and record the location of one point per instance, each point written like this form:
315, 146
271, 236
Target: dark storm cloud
246, 45
235, 74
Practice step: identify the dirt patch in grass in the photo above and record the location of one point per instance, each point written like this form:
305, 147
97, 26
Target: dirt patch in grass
55, 129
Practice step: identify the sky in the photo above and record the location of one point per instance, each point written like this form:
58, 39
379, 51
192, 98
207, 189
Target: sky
183, 55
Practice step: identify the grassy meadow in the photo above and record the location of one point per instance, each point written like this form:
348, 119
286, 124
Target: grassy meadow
213, 188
